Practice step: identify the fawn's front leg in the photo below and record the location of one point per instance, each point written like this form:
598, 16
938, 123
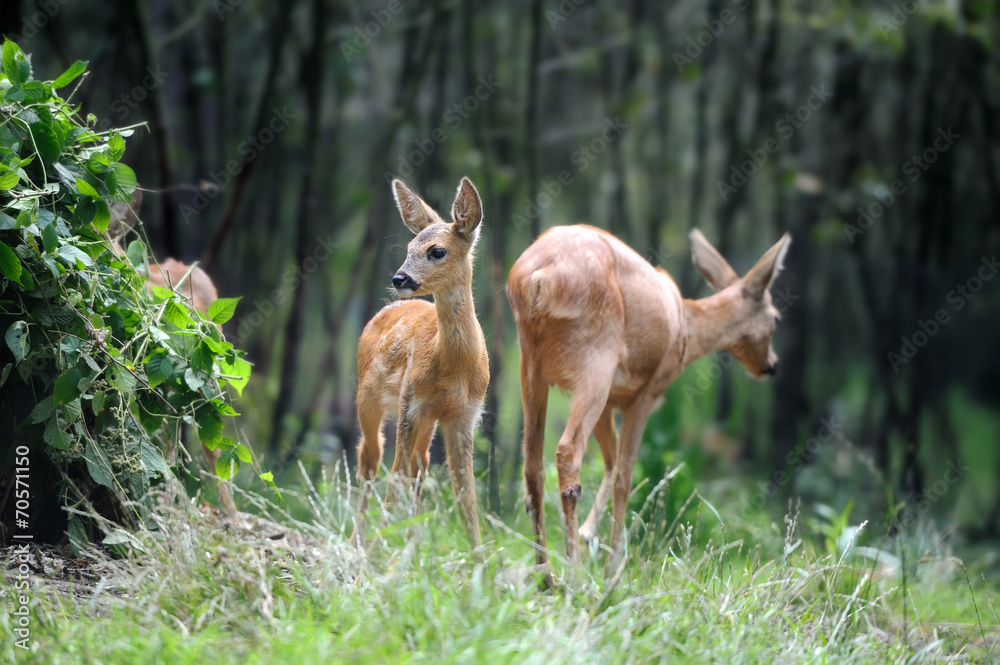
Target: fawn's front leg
458, 442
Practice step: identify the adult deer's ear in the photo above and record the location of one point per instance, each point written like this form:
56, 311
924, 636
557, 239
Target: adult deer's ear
760, 277
715, 269
416, 214
467, 210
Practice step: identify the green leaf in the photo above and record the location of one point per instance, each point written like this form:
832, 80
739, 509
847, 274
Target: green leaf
42, 410
210, 429
122, 380
54, 434
202, 359
153, 460
86, 189
97, 405
227, 466
177, 315
17, 340
34, 90
8, 180
125, 177
72, 411
14, 94
193, 380
217, 346
47, 141
136, 252
98, 464
222, 310
10, 265
243, 454
15, 63
237, 373
68, 76
158, 369
116, 144
66, 388
50, 238
102, 216
224, 408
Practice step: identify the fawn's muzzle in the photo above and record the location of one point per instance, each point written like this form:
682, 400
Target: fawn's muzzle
772, 369
403, 281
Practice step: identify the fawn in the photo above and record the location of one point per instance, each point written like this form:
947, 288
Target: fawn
426, 363
595, 318
190, 281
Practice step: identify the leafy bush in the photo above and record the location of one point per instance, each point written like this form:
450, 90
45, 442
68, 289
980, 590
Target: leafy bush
110, 372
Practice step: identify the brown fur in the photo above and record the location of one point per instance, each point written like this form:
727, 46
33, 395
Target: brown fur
426, 363
593, 317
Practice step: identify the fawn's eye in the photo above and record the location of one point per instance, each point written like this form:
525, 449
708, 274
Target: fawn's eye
436, 253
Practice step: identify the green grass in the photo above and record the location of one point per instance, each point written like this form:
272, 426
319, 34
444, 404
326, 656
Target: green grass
692, 592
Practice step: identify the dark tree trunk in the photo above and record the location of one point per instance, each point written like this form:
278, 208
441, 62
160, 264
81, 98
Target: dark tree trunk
313, 81
264, 108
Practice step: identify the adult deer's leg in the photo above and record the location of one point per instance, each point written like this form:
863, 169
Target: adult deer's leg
634, 420
458, 442
586, 408
535, 397
607, 438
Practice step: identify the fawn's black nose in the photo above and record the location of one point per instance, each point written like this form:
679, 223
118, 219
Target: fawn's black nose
772, 369
403, 281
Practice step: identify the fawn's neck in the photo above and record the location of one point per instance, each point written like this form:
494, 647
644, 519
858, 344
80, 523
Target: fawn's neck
458, 328
713, 323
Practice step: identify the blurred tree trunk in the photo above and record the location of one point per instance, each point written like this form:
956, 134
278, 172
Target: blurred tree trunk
531, 111
264, 107
700, 144
313, 82
659, 211
149, 66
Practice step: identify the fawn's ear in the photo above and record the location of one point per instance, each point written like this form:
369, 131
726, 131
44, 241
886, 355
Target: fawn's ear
760, 277
715, 269
416, 214
467, 210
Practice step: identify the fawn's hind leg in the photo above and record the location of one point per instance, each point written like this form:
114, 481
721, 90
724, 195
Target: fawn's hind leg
369, 458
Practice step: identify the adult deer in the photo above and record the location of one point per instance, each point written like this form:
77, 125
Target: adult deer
593, 317
426, 363
190, 281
